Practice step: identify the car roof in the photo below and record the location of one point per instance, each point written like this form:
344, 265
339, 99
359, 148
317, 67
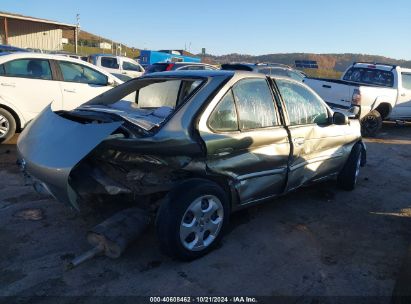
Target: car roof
254, 66
181, 63
30, 55
204, 74
110, 55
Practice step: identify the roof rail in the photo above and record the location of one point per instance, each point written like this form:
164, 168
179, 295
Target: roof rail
274, 64
375, 63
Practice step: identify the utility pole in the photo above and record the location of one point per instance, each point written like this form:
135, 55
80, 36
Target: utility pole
76, 33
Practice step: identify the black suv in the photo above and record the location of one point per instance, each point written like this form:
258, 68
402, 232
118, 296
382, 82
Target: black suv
171, 66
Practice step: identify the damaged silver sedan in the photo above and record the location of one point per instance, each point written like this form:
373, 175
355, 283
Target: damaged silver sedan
191, 148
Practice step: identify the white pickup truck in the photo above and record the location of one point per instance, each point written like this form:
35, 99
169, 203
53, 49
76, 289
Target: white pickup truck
373, 91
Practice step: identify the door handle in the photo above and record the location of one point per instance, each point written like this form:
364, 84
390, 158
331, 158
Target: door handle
299, 141
70, 90
8, 84
403, 95
326, 86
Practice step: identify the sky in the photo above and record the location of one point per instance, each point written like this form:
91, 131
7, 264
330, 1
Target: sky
253, 27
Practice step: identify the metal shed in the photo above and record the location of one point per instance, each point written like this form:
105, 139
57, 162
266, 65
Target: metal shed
29, 32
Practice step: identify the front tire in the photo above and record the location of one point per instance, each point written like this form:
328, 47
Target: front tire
192, 218
371, 123
347, 178
7, 125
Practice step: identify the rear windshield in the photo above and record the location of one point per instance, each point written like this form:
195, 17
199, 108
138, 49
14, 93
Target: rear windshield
370, 76
157, 68
145, 102
168, 94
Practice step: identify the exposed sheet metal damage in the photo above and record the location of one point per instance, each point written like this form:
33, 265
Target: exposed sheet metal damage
114, 172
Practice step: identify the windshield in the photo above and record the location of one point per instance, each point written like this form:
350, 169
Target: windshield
370, 76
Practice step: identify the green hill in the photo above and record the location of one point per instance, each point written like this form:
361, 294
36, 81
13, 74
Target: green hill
336, 62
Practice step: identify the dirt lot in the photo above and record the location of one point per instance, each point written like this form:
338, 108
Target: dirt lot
318, 241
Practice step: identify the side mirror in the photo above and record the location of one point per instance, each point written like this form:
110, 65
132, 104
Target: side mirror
340, 119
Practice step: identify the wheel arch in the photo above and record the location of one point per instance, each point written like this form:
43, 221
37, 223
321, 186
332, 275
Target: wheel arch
384, 108
221, 181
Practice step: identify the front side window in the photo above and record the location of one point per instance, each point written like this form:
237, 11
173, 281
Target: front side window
73, 72
28, 68
303, 106
224, 116
255, 104
129, 66
370, 76
109, 62
406, 81
2, 70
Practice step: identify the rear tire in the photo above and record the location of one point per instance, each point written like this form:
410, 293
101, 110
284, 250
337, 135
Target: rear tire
7, 125
192, 218
371, 123
347, 178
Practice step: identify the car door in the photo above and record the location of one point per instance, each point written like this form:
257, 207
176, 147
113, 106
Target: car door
28, 84
402, 109
80, 83
319, 148
245, 140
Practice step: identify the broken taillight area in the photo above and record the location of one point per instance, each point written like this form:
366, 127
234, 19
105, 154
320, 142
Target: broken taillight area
126, 178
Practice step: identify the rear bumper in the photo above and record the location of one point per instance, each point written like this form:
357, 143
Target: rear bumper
51, 146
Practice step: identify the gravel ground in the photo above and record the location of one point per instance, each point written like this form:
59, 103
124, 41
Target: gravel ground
317, 241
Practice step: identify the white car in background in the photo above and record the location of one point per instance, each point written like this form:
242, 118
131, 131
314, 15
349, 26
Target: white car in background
117, 65
30, 81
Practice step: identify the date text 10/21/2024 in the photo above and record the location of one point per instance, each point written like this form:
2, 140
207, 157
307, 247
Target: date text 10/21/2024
203, 300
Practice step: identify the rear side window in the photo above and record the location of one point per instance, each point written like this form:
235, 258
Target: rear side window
303, 106
224, 116
406, 81
28, 68
109, 62
255, 104
73, 72
129, 66
370, 76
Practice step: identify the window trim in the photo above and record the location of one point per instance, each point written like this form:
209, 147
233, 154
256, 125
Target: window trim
52, 72
68, 81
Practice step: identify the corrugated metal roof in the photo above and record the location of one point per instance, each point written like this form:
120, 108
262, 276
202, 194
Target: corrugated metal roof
33, 19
